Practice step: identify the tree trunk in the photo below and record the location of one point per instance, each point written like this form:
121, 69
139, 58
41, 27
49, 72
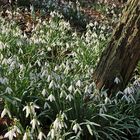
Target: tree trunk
122, 54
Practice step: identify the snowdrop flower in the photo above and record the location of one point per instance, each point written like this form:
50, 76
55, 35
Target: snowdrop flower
91, 24
107, 100
69, 97
25, 136
58, 124
34, 122
4, 81
41, 136
101, 111
49, 78
30, 109
51, 134
76, 127
8, 90
95, 23
4, 112
10, 134
78, 84
12, 65
56, 68
49, 49
77, 91
44, 92
33, 106
27, 109
63, 94
129, 90
51, 98
70, 88
38, 63
117, 80
52, 84
43, 74
4, 61
20, 51
2, 46
21, 67
16, 129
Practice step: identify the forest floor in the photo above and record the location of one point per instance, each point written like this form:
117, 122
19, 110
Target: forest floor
94, 11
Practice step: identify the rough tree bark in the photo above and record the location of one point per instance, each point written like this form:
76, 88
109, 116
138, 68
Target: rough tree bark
122, 54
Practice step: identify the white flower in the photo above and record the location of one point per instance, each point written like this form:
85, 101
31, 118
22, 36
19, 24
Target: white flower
10, 134
95, 23
78, 84
51, 134
33, 106
107, 100
69, 97
4, 61
49, 78
27, 109
76, 127
21, 67
91, 24
41, 136
51, 98
52, 84
49, 49
44, 73
4, 80
2, 46
8, 90
20, 51
44, 92
4, 112
16, 129
38, 63
70, 88
34, 122
25, 137
58, 124
30, 109
63, 94
129, 90
117, 80
56, 68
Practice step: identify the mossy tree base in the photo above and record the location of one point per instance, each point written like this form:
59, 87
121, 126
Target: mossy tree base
121, 56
